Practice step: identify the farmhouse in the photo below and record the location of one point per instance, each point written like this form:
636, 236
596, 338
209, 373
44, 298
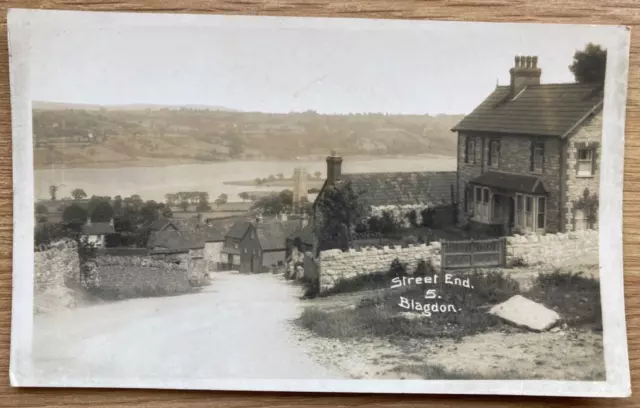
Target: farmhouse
255, 246
529, 155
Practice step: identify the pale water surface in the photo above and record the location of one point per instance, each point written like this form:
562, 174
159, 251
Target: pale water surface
152, 183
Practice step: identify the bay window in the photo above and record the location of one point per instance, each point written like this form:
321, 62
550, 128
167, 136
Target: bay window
530, 212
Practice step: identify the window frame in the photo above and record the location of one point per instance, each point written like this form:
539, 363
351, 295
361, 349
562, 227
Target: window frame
522, 216
537, 146
493, 158
470, 150
589, 161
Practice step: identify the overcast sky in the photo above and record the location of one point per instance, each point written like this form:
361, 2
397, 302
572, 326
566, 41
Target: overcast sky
271, 67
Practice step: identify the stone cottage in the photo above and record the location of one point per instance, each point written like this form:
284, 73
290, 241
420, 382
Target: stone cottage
395, 192
529, 155
96, 232
256, 246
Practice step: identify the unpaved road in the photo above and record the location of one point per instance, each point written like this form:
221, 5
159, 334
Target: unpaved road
239, 327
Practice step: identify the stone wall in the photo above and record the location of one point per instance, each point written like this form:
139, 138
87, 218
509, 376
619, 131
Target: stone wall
588, 136
213, 254
55, 269
121, 277
335, 264
551, 249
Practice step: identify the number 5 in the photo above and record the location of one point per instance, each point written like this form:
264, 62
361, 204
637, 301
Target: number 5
430, 294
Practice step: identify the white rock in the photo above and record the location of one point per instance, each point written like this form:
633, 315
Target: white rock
524, 312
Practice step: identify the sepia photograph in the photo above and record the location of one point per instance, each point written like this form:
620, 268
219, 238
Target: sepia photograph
307, 204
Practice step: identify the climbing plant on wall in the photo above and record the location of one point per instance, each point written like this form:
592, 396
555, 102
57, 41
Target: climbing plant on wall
589, 204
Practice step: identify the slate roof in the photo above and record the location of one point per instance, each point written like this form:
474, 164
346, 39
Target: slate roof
98, 228
511, 182
273, 234
161, 224
239, 229
172, 240
402, 188
307, 234
547, 109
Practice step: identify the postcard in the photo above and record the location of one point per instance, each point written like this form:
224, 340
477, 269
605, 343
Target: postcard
317, 204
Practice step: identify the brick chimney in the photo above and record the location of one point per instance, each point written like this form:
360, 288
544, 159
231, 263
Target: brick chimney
524, 73
334, 168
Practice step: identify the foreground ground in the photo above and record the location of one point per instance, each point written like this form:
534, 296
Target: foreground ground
239, 327
365, 335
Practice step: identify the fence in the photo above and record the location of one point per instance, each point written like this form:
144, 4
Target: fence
472, 254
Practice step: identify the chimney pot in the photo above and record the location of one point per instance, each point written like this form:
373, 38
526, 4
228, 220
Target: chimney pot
525, 73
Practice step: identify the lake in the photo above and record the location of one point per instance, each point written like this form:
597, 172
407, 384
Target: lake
152, 183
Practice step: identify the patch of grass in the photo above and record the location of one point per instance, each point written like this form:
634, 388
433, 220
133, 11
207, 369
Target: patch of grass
362, 282
380, 316
575, 297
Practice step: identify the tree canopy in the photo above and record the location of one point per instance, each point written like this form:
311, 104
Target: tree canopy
78, 194
275, 203
74, 216
103, 212
340, 210
589, 65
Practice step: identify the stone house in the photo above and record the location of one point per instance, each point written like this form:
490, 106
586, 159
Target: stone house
529, 155
96, 232
187, 248
397, 193
256, 246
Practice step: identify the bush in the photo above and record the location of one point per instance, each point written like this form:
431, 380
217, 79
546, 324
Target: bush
362, 282
425, 268
397, 269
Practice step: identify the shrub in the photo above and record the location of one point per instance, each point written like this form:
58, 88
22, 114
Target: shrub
397, 269
518, 262
425, 268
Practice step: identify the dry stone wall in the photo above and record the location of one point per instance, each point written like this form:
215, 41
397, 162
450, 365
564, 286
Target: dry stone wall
336, 265
551, 249
54, 270
121, 277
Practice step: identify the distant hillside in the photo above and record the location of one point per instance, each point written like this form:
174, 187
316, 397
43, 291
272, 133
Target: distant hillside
92, 135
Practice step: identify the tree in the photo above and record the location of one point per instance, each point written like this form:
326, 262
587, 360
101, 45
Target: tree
165, 211
258, 181
184, 204
280, 176
589, 65
78, 194
41, 212
271, 177
317, 174
74, 216
589, 205
103, 212
275, 203
203, 205
340, 210
53, 190
222, 199
117, 206
244, 196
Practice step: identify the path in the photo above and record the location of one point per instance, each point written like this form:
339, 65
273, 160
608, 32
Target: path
239, 327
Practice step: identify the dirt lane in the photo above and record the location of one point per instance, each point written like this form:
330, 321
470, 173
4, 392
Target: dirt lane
239, 327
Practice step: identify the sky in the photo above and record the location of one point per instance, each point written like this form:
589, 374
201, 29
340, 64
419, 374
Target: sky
403, 68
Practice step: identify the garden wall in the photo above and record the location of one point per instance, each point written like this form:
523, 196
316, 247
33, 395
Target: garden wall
121, 277
54, 269
336, 265
552, 249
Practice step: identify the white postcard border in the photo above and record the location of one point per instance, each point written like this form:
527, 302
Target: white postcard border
611, 260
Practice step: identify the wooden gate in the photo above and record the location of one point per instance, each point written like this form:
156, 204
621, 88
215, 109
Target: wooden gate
473, 253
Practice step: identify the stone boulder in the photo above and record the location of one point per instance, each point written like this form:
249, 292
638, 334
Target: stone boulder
523, 312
